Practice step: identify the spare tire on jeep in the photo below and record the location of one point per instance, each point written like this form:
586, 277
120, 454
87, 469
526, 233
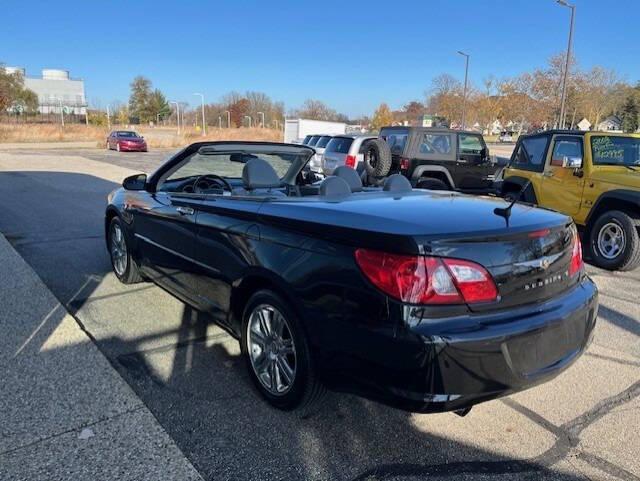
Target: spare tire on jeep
377, 158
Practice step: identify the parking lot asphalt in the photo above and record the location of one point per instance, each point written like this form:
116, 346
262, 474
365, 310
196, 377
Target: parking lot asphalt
583, 425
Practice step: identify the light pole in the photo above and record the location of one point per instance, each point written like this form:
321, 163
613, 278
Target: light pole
61, 112
262, 114
563, 95
177, 114
248, 117
204, 124
108, 118
464, 94
228, 118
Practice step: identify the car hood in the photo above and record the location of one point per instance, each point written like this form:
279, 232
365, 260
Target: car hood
617, 175
425, 214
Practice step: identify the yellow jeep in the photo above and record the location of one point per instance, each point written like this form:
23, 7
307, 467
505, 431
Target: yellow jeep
592, 176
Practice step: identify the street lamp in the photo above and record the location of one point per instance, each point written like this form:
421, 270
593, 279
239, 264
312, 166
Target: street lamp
177, 114
228, 118
563, 96
248, 117
262, 114
204, 124
464, 95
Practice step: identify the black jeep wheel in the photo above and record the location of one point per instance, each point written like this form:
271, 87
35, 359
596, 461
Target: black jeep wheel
432, 184
377, 158
614, 243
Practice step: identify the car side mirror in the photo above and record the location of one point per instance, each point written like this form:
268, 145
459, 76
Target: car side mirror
135, 182
572, 162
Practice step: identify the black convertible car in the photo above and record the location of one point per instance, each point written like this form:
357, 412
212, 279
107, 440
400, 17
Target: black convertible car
424, 300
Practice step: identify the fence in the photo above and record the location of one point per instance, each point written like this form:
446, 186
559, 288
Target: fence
47, 113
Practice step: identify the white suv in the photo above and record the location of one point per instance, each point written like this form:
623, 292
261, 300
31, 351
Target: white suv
346, 150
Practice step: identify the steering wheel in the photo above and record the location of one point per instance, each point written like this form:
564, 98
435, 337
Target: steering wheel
216, 178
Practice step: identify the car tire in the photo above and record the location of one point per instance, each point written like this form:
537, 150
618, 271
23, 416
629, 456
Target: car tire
614, 243
279, 363
123, 264
432, 184
108, 146
377, 158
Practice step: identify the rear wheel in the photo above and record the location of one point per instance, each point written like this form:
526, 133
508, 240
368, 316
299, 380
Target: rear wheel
614, 243
432, 184
124, 266
277, 353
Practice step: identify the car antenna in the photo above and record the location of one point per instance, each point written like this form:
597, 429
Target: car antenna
506, 211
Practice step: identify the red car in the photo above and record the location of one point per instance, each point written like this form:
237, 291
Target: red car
126, 141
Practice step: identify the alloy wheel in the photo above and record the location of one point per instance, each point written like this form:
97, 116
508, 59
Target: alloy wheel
611, 240
118, 250
271, 349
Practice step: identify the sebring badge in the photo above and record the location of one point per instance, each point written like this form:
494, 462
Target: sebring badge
546, 281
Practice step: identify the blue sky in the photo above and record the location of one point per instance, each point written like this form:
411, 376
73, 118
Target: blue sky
350, 54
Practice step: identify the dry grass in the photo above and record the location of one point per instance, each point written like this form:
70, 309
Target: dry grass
156, 137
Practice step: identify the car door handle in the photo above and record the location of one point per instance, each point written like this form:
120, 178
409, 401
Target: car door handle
548, 173
185, 210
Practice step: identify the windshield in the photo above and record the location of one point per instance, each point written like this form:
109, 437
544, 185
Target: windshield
615, 150
313, 140
126, 134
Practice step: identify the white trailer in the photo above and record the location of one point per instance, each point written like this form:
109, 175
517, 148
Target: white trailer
295, 129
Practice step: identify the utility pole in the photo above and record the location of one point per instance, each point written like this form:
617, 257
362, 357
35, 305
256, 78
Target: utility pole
177, 115
61, 112
204, 124
563, 95
464, 95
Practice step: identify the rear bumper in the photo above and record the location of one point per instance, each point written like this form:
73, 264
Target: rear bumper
452, 364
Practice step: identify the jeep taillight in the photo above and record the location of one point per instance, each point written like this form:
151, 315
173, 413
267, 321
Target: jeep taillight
350, 161
427, 280
577, 264
404, 163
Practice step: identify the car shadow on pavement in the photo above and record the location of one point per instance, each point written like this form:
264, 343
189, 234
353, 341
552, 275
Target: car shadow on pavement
194, 381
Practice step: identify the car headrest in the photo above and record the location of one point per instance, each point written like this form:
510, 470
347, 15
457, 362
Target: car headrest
258, 174
396, 183
334, 188
350, 176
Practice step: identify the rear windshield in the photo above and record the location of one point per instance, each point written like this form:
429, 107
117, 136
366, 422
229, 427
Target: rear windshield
339, 144
313, 140
614, 150
323, 141
397, 139
306, 139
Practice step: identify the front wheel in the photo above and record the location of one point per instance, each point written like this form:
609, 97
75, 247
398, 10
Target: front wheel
123, 264
277, 353
118, 146
614, 243
432, 184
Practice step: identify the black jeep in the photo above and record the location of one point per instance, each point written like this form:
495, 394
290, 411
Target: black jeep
440, 158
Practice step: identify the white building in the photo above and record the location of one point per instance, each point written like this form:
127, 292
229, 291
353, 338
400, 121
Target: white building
55, 90
584, 124
610, 124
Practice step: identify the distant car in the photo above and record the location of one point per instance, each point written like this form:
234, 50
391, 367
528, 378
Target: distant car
306, 140
315, 164
126, 141
505, 137
346, 150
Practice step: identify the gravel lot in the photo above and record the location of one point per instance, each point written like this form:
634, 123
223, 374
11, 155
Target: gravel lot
583, 425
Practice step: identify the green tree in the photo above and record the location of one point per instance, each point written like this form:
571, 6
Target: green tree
630, 115
13, 93
159, 105
382, 117
140, 106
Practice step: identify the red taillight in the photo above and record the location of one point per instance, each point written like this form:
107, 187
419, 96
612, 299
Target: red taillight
427, 280
577, 264
350, 161
404, 163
